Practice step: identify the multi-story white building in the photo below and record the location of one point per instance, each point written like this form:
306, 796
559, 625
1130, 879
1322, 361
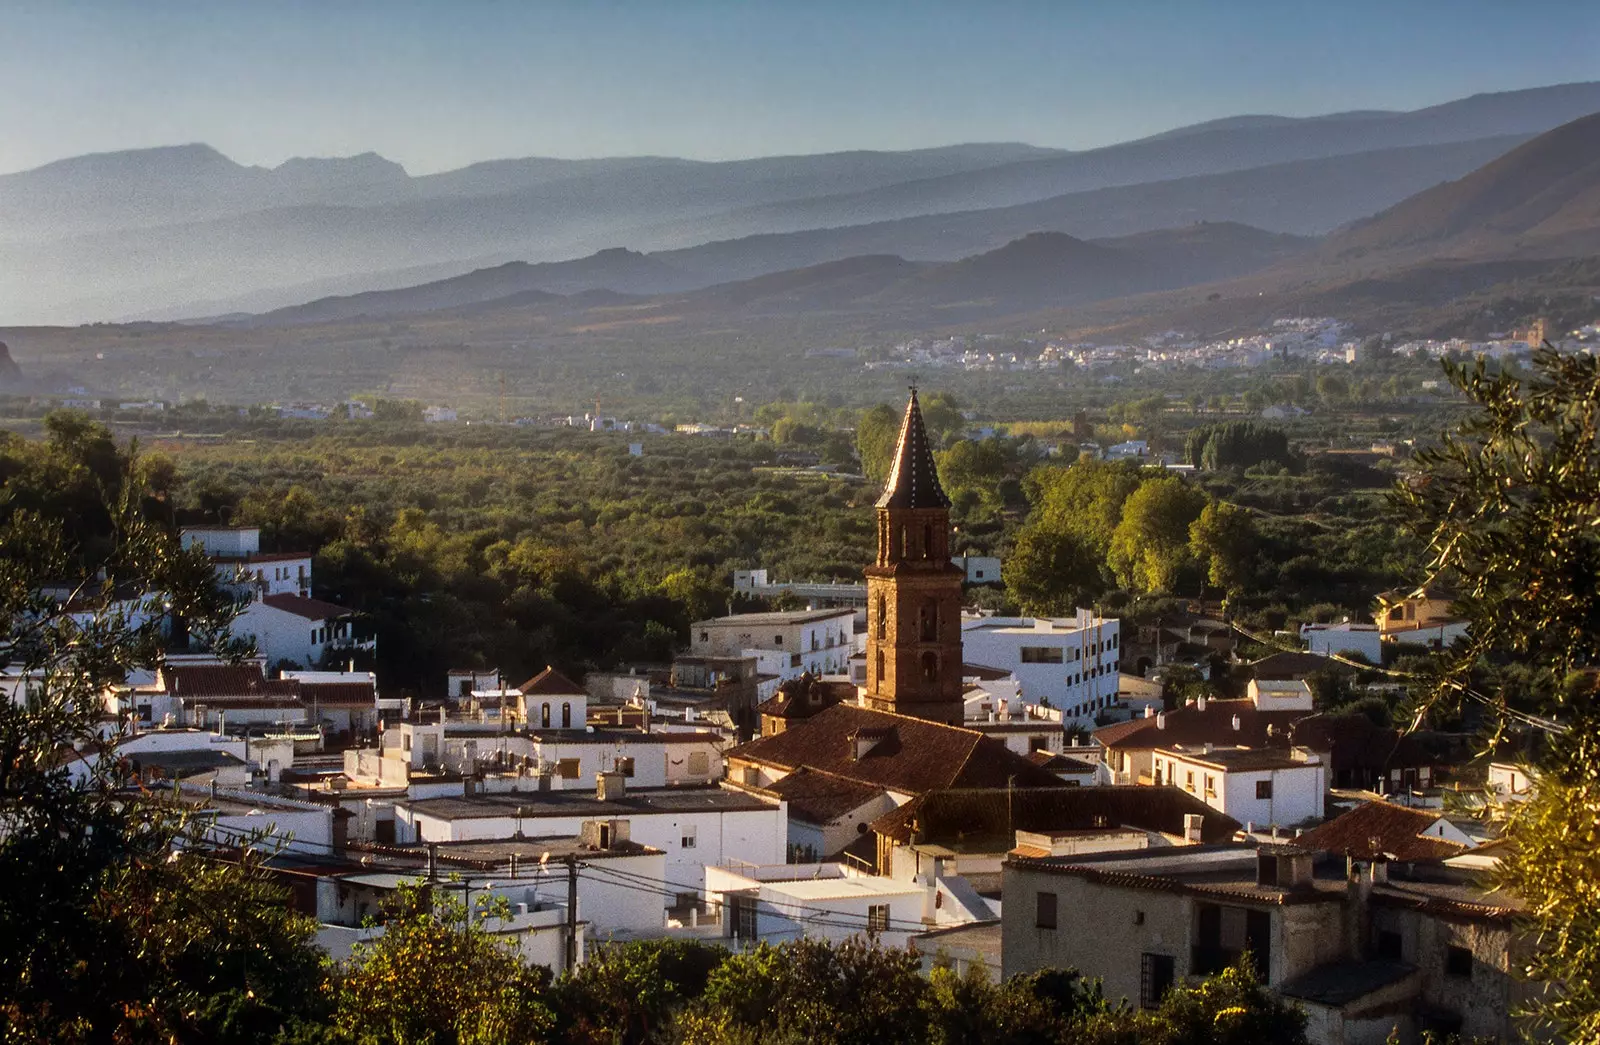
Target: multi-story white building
243, 566
816, 641
1071, 663
1260, 787
296, 630
695, 827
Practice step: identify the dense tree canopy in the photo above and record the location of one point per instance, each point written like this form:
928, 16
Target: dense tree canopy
1509, 504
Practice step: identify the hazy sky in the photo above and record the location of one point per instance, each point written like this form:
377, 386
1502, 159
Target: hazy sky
439, 85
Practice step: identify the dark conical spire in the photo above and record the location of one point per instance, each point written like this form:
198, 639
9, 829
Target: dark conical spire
913, 478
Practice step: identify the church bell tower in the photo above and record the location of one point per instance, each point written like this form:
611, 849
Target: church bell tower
913, 589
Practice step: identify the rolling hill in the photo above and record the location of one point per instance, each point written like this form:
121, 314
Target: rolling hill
1541, 199
150, 233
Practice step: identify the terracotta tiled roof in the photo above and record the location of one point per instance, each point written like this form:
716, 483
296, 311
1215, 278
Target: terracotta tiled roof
300, 606
551, 683
339, 694
914, 477
1058, 763
912, 755
1381, 827
1191, 726
223, 680
944, 816
1355, 742
805, 696
1288, 664
818, 797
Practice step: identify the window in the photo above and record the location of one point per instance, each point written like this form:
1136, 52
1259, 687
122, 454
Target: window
1457, 961
877, 919
544, 715
777, 640
566, 715
1156, 975
1041, 654
625, 766
883, 619
881, 670
1188, 780
930, 667
1045, 911
705, 636
688, 837
567, 769
699, 763
927, 540
1388, 946
928, 621
1211, 785
744, 917
1263, 789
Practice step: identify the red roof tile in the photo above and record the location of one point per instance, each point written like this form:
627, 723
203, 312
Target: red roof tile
551, 683
300, 606
947, 816
911, 755
339, 694
818, 798
1191, 726
1378, 828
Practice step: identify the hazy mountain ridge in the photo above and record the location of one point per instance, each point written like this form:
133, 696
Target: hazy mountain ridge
148, 233
1173, 257
1542, 198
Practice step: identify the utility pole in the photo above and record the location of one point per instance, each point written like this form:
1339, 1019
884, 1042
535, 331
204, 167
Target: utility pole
572, 913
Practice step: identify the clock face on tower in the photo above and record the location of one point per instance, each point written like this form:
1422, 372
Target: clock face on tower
913, 590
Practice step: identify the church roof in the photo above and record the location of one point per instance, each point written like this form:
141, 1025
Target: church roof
913, 478
550, 683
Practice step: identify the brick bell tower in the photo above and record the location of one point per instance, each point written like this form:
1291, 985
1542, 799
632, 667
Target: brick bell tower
913, 590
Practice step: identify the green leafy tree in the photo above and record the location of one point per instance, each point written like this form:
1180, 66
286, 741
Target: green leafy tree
1051, 572
941, 415
630, 994
852, 993
112, 934
437, 976
1150, 545
1224, 541
1509, 503
876, 433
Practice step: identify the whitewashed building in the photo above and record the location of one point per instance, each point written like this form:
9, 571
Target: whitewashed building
694, 827
818, 642
1264, 787
1072, 663
827, 901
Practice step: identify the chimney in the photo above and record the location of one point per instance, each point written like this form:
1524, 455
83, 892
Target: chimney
1191, 828
609, 786
1149, 710
1236, 723
1380, 869
1209, 747
1200, 705
1161, 720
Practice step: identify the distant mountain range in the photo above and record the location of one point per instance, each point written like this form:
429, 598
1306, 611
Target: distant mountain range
1037, 269
184, 231
1540, 200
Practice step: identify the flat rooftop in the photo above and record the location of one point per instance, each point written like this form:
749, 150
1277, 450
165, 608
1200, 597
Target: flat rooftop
584, 802
1230, 871
1236, 759
779, 617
